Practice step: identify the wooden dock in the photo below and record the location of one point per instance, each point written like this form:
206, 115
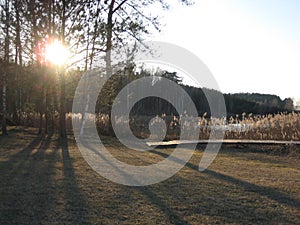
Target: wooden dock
225, 141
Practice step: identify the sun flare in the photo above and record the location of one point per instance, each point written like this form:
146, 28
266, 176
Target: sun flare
56, 53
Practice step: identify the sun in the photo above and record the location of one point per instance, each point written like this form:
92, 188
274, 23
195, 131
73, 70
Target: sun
56, 53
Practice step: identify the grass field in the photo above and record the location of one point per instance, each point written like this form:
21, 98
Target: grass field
46, 181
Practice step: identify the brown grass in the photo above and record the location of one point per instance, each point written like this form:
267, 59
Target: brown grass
46, 181
282, 126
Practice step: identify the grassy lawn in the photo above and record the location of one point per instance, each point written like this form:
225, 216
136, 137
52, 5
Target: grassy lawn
45, 181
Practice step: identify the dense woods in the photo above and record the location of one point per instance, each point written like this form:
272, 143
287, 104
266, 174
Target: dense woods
30, 84
35, 92
257, 104
68, 156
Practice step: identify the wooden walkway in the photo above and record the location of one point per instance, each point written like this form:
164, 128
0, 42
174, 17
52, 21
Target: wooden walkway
225, 141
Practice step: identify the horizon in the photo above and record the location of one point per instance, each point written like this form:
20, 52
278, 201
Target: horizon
256, 53
189, 81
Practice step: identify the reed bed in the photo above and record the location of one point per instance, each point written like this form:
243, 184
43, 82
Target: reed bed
281, 126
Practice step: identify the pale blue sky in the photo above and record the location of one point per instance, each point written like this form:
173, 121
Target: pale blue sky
281, 14
249, 45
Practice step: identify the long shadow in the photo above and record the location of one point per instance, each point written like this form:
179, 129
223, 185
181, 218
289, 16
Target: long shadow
31, 191
98, 153
76, 205
39, 143
28, 149
173, 217
264, 191
25, 181
260, 154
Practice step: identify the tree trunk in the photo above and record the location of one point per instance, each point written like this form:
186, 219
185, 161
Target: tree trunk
43, 107
4, 129
62, 123
18, 60
18, 56
62, 118
5, 67
109, 39
41, 123
86, 96
46, 111
87, 50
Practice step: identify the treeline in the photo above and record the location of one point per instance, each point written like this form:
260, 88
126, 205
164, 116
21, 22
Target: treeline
91, 30
236, 104
34, 95
256, 103
36, 92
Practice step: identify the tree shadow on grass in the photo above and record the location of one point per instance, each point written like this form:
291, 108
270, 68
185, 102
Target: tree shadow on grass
242, 187
25, 178
229, 204
76, 205
280, 155
30, 190
152, 197
155, 199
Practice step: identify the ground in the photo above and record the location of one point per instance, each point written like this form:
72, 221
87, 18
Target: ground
46, 181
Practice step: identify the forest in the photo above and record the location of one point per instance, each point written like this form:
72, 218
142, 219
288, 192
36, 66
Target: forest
38, 92
33, 84
55, 172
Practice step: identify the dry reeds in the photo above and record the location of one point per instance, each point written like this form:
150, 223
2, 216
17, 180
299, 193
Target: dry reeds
282, 126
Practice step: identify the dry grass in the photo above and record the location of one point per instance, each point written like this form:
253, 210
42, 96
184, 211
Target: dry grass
282, 126
45, 181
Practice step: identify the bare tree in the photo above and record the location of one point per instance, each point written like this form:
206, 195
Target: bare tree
5, 17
